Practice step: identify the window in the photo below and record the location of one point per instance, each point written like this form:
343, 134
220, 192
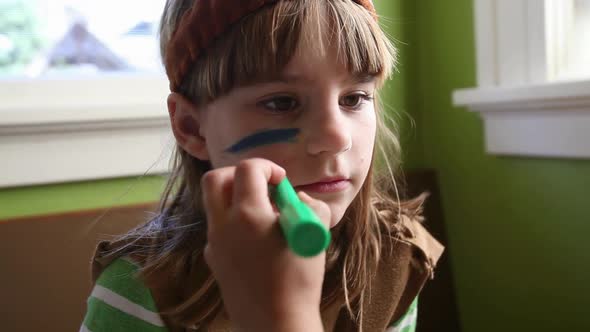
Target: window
76, 37
568, 25
82, 90
533, 74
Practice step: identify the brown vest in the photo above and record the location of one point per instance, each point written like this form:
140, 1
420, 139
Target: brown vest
404, 267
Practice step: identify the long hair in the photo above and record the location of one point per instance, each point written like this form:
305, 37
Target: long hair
258, 47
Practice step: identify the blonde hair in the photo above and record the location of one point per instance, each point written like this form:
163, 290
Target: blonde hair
259, 47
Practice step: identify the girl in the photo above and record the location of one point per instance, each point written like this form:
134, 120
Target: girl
263, 89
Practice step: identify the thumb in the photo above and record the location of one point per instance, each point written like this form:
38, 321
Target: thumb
319, 207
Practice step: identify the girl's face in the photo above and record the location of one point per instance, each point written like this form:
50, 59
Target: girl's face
316, 120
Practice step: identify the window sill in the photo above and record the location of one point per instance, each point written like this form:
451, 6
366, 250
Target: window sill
71, 130
543, 120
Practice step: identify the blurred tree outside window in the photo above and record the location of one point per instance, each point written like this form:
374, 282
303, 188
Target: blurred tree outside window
78, 37
20, 38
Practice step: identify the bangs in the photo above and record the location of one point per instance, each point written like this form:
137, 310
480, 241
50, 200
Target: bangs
261, 45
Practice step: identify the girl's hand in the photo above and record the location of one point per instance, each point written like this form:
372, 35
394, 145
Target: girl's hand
265, 287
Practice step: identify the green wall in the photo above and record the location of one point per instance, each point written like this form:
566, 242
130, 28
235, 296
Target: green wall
398, 18
517, 227
28, 201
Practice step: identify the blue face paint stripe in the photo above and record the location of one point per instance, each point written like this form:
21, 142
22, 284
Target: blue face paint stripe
265, 137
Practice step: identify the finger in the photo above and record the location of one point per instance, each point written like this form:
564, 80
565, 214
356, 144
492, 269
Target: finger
217, 193
319, 207
207, 255
251, 182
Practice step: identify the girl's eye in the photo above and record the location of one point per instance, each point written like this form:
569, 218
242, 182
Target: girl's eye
354, 101
280, 104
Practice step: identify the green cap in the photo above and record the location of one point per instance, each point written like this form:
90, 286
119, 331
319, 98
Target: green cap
306, 235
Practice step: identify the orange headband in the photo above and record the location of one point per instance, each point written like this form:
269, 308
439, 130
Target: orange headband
205, 21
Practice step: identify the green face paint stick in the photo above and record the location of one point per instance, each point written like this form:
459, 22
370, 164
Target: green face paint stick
306, 235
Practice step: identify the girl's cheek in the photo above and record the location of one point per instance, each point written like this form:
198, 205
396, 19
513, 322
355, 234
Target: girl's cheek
281, 157
279, 154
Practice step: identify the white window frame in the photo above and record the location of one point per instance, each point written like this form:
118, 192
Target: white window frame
523, 113
60, 130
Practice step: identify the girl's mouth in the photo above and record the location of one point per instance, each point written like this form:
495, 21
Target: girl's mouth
325, 186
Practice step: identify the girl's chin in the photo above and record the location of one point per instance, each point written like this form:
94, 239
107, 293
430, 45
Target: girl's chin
336, 219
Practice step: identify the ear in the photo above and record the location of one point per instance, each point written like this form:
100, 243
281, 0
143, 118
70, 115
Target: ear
185, 120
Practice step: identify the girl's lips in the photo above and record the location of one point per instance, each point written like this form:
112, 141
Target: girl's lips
325, 187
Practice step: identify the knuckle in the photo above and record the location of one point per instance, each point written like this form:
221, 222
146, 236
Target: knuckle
214, 239
209, 180
207, 254
244, 213
245, 166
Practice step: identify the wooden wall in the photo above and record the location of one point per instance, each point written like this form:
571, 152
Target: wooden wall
437, 309
45, 265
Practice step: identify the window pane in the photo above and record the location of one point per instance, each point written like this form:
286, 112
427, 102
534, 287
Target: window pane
569, 33
78, 37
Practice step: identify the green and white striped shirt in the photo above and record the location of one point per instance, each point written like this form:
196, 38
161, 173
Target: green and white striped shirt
408, 322
122, 302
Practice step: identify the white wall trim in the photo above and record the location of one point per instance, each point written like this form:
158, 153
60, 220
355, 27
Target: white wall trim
74, 155
536, 120
558, 94
70, 130
511, 46
562, 134
523, 114
511, 31
537, 49
485, 39
61, 100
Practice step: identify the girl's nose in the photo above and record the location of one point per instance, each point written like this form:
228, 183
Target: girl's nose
328, 132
